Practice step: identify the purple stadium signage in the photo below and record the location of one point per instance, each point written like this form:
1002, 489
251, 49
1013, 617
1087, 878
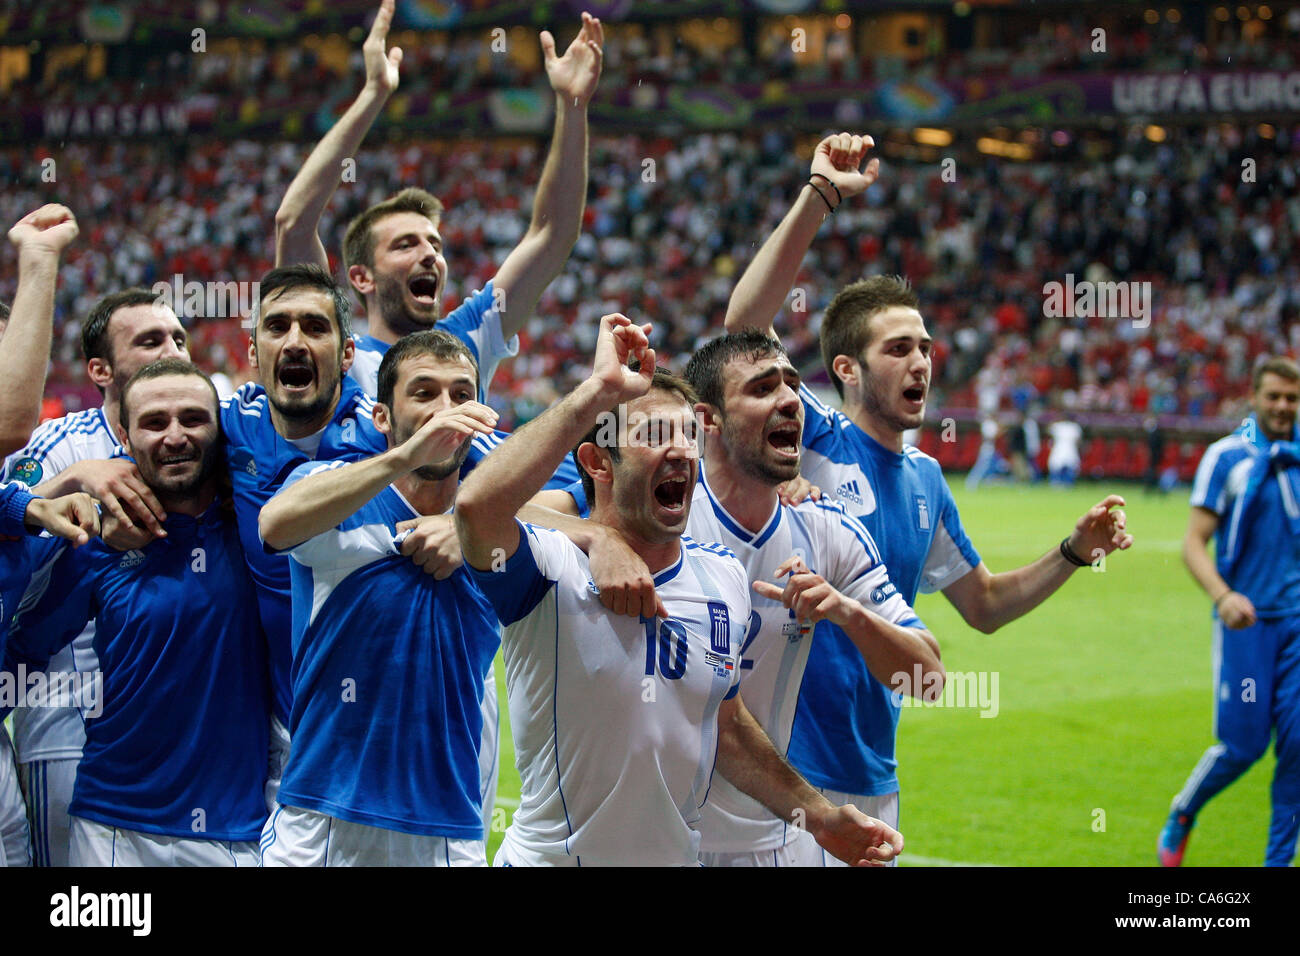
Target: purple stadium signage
1243, 91
652, 107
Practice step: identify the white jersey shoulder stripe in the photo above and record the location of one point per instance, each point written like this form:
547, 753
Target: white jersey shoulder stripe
1210, 462
87, 421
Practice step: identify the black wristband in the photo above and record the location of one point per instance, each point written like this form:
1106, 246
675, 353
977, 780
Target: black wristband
823, 195
1068, 553
838, 198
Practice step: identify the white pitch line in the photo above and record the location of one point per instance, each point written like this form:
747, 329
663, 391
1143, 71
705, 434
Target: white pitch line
511, 802
913, 860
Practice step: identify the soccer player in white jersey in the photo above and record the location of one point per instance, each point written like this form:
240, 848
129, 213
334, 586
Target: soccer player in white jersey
39, 239
751, 417
124, 332
619, 725
877, 352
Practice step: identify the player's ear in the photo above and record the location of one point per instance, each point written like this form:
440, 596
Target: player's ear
122, 438
361, 278
100, 372
595, 461
382, 418
252, 349
709, 417
349, 354
846, 369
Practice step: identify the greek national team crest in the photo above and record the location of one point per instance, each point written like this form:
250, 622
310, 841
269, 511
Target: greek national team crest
922, 513
719, 628
28, 471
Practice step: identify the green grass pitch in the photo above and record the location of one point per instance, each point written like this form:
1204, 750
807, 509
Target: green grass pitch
1104, 706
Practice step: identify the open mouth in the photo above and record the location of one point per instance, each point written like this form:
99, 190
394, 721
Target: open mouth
424, 288
296, 375
785, 439
671, 493
171, 460
914, 393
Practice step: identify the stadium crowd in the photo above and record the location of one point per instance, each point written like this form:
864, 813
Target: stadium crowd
668, 238
351, 537
664, 53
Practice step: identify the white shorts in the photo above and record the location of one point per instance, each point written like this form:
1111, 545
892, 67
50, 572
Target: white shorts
277, 759
98, 844
15, 841
808, 852
48, 785
297, 837
781, 856
510, 854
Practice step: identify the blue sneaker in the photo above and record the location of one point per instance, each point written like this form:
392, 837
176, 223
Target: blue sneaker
1173, 838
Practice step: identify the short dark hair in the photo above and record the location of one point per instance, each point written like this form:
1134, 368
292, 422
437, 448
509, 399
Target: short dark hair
435, 342
704, 370
1278, 365
95, 341
846, 326
309, 276
359, 240
161, 369
664, 381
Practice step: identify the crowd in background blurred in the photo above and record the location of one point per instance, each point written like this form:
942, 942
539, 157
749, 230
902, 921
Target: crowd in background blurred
667, 241
663, 53
671, 222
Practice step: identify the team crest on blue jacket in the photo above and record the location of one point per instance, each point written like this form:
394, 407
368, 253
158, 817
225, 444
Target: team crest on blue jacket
922, 513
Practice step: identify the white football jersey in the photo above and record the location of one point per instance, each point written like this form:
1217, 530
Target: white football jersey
776, 646
614, 719
55, 733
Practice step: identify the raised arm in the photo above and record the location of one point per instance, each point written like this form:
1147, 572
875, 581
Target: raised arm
768, 279
505, 480
987, 601
562, 189
329, 497
297, 221
40, 238
748, 760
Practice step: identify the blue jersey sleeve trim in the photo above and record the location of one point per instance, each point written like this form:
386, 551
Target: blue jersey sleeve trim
519, 585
